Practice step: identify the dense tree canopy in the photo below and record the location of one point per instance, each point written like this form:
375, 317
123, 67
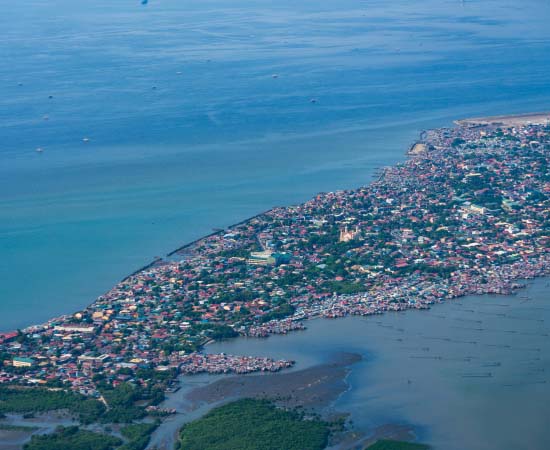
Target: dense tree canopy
254, 425
36, 400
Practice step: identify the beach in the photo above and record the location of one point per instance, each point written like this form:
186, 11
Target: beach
507, 121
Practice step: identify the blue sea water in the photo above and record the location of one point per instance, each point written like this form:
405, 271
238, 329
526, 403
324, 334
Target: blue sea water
189, 129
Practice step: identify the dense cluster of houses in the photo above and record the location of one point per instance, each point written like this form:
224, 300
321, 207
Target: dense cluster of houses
468, 212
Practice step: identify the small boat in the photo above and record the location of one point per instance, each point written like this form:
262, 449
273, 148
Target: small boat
85, 139
39, 149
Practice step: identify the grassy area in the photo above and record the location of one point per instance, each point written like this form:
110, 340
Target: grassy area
122, 403
37, 400
73, 438
397, 445
138, 435
253, 425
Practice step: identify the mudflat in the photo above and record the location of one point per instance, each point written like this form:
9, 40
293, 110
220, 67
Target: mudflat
315, 387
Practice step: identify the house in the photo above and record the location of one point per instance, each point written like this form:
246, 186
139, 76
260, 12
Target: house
20, 361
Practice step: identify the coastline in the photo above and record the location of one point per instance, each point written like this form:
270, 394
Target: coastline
336, 259
218, 231
506, 120
187, 184
418, 148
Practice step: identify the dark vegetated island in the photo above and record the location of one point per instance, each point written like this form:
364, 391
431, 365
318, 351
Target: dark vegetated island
250, 424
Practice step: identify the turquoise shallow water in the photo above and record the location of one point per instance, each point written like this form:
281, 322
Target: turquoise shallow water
220, 138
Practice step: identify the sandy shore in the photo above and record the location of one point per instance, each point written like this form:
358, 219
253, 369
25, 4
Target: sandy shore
513, 120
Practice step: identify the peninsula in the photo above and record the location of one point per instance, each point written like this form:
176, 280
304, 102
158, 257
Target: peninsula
468, 212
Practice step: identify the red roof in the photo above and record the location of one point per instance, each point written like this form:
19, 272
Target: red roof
7, 336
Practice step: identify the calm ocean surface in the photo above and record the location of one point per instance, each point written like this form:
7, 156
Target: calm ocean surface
220, 138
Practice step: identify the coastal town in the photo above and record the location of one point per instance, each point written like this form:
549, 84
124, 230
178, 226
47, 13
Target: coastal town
468, 212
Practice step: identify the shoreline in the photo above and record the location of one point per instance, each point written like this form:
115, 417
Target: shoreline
506, 120
180, 249
200, 297
418, 147
218, 231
